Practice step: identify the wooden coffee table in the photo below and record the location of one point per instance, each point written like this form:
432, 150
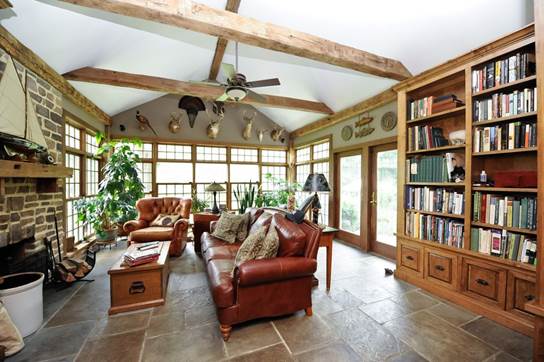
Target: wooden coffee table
141, 286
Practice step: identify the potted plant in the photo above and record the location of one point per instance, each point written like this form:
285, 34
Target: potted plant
245, 197
198, 205
283, 191
118, 191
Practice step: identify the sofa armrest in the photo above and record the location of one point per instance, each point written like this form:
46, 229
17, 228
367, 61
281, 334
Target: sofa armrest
213, 224
260, 271
132, 225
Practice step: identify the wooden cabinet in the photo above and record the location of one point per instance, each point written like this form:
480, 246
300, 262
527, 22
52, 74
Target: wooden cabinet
201, 224
483, 281
411, 257
441, 267
521, 288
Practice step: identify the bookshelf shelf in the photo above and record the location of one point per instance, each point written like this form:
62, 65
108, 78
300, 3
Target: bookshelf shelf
505, 152
502, 87
437, 149
437, 116
505, 189
504, 119
437, 184
442, 214
493, 226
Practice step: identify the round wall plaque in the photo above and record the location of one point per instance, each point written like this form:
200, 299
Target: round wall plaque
389, 121
347, 133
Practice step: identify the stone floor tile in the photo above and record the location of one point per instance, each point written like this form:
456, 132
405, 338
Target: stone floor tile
183, 300
275, 353
120, 347
366, 291
323, 304
338, 352
454, 315
384, 310
344, 298
166, 324
251, 336
502, 357
415, 300
200, 315
121, 323
302, 333
437, 340
508, 340
410, 356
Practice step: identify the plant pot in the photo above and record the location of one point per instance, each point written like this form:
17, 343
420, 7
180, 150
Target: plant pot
22, 295
106, 236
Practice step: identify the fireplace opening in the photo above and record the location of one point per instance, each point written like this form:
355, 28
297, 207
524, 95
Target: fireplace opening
15, 258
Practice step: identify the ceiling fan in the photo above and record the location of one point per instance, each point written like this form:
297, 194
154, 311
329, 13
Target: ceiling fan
237, 86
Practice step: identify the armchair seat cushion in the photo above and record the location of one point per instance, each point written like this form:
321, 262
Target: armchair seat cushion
152, 233
220, 278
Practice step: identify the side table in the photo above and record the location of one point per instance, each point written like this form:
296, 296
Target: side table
327, 236
201, 224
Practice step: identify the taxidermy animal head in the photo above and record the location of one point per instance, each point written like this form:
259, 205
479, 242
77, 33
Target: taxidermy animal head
276, 133
215, 121
192, 106
260, 134
246, 134
175, 122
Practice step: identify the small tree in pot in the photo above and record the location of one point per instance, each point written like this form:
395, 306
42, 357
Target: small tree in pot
118, 191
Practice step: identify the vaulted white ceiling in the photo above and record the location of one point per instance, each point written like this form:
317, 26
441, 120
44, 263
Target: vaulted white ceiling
420, 34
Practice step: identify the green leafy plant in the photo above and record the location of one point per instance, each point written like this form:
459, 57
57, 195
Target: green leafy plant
118, 191
245, 197
198, 205
280, 196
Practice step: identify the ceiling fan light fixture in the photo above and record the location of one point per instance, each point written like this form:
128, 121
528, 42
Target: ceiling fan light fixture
235, 92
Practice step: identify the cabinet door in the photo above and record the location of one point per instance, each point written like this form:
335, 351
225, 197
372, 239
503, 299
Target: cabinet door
441, 268
484, 281
521, 288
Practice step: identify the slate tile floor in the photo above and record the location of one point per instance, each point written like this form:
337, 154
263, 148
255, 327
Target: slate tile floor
365, 317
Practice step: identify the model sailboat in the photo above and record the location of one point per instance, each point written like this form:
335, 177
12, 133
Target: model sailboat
21, 137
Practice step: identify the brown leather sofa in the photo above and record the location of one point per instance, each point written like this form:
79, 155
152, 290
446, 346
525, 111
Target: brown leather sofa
266, 287
148, 209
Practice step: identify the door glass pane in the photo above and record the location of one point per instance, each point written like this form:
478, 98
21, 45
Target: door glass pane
386, 193
350, 194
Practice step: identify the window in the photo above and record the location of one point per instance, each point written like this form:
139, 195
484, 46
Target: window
206, 153
91, 146
145, 172
175, 190
274, 156
174, 179
276, 172
145, 150
174, 152
73, 183
244, 173
321, 150
91, 181
72, 137
244, 155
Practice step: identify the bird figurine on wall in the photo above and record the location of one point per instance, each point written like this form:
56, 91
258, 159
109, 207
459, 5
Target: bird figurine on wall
143, 123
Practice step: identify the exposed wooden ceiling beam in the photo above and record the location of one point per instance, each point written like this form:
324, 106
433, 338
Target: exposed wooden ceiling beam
204, 19
221, 46
5, 4
146, 82
378, 100
29, 59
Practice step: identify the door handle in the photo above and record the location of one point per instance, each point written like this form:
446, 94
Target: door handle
373, 199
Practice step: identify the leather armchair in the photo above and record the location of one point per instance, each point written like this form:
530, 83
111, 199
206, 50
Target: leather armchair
265, 287
148, 209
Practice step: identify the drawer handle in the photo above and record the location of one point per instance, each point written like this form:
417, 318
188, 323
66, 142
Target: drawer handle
439, 267
409, 257
529, 297
482, 282
136, 288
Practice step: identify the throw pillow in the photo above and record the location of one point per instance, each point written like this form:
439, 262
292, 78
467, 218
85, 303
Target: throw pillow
251, 247
244, 226
271, 243
165, 220
227, 227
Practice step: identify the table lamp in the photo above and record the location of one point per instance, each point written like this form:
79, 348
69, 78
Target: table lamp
316, 182
215, 188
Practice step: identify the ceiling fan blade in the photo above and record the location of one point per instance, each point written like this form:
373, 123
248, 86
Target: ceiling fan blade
228, 70
209, 82
255, 95
222, 97
263, 83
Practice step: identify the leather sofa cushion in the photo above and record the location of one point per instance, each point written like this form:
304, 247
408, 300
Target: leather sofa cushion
220, 277
292, 238
152, 233
221, 252
263, 220
208, 241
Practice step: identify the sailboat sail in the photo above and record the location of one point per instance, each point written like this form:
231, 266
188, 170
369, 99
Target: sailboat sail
17, 113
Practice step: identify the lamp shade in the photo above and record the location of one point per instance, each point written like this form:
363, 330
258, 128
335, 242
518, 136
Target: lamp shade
316, 182
214, 187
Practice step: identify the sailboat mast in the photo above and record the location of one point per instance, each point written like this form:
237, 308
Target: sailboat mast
26, 104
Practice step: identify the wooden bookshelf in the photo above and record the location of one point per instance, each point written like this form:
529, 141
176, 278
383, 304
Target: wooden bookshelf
417, 259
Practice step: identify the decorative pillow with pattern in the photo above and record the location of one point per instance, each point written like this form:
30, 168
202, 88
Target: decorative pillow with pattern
244, 226
271, 244
252, 247
165, 220
227, 227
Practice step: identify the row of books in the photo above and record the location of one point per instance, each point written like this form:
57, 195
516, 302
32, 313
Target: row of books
435, 200
505, 136
429, 105
503, 71
503, 244
434, 228
510, 211
505, 104
432, 168
425, 137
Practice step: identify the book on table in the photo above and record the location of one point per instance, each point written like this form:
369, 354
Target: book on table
143, 254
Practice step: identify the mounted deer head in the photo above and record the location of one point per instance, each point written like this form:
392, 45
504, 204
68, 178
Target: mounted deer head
260, 134
218, 109
175, 122
276, 134
246, 133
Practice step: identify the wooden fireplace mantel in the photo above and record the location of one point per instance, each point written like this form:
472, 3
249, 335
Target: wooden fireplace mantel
34, 170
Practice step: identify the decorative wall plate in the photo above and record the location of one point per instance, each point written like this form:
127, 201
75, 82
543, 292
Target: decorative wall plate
389, 121
347, 133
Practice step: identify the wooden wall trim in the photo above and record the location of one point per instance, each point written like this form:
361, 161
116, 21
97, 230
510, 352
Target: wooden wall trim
5, 4
221, 46
30, 60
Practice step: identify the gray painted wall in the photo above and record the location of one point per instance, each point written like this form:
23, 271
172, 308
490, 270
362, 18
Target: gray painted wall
83, 115
159, 110
336, 130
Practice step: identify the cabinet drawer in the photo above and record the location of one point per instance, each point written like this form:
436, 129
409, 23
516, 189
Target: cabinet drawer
129, 289
409, 257
484, 281
521, 289
440, 267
